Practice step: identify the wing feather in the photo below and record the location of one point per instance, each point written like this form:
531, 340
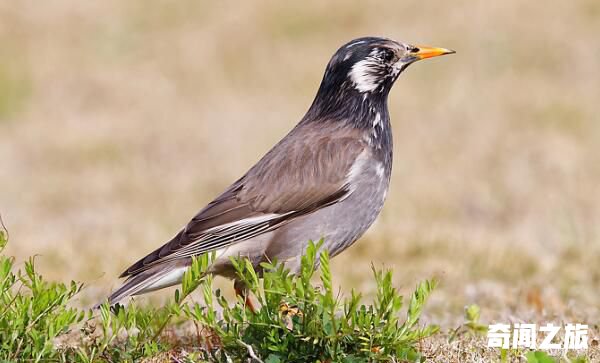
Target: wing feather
304, 172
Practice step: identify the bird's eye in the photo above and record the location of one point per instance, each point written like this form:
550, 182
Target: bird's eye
388, 55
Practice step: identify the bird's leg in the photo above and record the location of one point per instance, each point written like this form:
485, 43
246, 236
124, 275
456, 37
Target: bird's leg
242, 290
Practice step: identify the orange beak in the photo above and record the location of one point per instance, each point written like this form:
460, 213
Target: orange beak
428, 52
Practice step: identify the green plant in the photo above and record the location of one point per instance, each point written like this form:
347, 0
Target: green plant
539, 357
35, 316
542, 357
120, 335
300, 321
471, 324
33, 312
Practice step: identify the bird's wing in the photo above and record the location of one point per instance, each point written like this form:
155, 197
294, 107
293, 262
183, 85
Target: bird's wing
306, 171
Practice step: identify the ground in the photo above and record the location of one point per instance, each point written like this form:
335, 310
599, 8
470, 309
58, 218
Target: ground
119, 120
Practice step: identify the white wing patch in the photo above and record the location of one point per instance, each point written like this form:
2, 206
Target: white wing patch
221, 236
243, 223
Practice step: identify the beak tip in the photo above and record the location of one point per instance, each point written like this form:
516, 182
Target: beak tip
429, 52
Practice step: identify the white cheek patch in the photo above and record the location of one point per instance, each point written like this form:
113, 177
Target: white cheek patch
364, 75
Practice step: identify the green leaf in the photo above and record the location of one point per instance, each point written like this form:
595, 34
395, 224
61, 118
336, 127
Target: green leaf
472, 313
539, 357
273, 358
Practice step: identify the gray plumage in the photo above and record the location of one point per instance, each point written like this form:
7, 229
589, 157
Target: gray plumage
327, 179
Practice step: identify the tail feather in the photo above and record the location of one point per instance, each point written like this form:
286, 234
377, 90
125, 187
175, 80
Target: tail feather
156, 278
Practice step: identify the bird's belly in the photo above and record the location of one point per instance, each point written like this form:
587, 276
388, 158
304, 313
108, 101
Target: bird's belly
339, 225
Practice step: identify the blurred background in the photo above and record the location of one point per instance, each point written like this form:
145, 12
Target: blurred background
119, 120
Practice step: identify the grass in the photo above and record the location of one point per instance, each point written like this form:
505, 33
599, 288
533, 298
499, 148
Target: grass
298, 321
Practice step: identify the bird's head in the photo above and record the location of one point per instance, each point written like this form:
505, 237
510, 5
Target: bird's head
371, 65
360, 75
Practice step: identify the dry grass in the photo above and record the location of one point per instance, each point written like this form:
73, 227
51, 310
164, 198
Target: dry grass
119, 120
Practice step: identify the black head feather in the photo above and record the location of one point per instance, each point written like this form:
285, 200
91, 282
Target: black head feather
358, 79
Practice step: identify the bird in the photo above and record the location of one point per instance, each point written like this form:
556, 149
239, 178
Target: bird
327, 179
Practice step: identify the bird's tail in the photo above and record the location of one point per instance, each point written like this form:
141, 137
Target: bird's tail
158, 277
